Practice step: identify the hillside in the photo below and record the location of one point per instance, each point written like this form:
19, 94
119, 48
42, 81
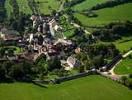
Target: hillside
107, 15
87, 4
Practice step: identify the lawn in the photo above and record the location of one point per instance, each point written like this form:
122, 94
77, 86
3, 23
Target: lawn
107, 15
87, 88
87, 4
125, 67
45, 6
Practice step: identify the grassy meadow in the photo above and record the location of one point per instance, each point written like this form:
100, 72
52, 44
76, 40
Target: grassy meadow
46, 6
23, 7
107, 15
87, 88
124, 44
87, 4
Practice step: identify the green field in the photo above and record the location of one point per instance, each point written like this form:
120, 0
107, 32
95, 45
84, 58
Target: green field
107, 15
87, 4
46, 6
88, 88
23, 7
125, 67
124, 44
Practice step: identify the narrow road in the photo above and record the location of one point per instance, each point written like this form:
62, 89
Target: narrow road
111, 74
112, 70
127, 54
78, 26
124, 56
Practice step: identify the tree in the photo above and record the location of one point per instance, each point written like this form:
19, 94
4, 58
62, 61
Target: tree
81, 68
123, 79
53, 12
130, 84
2, 73
98, 61
2, 52
54, 64
17, 72
86, 62
42, 65
130, 75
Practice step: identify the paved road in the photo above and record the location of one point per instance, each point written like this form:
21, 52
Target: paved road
112, 70
124, 56
127, 54
110, 73
78, 26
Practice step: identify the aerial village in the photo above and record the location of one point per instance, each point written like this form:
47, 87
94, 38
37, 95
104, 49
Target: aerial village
49, 40
40, 42
65, 49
